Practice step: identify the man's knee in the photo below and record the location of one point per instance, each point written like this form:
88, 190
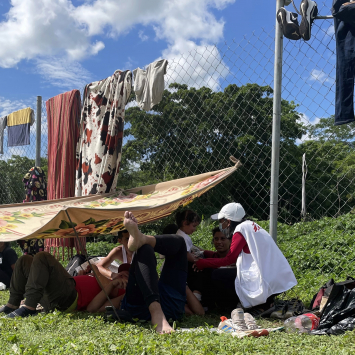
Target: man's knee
42, 255
24, 260
145, 250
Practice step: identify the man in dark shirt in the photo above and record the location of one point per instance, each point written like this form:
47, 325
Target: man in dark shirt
8, 258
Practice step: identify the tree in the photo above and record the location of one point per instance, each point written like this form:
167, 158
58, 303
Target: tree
12, 172
192, 131
330, 156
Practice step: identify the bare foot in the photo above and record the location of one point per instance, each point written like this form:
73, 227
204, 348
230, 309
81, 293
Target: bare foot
159, 320
136, 237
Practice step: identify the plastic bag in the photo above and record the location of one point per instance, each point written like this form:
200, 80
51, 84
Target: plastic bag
340, 307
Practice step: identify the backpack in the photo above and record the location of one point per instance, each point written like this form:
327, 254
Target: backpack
76, 261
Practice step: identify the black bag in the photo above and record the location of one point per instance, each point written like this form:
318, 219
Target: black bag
349, 283
74, 262
339, 309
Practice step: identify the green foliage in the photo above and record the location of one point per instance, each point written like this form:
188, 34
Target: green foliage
314, 249
196, 130
12, 172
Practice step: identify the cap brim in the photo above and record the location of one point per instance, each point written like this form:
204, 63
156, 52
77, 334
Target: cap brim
124, 267
215, 216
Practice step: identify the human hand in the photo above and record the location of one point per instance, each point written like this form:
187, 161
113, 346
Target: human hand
120, 280
120, 274
195, 268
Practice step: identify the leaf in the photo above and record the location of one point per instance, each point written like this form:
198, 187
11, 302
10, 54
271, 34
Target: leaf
100, 223
89, 221
50, 231
16, 221
65, 225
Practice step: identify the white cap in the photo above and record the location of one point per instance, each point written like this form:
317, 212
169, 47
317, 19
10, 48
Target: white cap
232, 211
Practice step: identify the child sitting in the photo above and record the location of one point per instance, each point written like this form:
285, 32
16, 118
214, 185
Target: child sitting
187, 221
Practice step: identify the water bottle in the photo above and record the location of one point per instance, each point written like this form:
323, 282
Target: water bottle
302, 324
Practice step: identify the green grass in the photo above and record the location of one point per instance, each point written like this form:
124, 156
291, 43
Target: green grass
316, 251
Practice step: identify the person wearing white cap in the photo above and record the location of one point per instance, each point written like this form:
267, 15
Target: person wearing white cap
262, 270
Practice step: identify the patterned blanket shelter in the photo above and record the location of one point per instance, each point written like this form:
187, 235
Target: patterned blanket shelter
97, 214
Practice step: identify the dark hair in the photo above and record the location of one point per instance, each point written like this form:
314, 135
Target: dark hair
170, 229
188, 215
120, 233
214, 231
233, 226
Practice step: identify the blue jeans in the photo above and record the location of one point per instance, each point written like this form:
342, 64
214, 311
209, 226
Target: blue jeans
144, 286
345, 66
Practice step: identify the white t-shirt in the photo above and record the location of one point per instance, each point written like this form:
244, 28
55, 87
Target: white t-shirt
187, 238
149, 84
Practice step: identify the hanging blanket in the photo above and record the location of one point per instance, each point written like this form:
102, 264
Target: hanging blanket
102, 214
63, 116
99, 146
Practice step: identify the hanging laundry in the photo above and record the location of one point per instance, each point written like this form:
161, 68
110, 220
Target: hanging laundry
35, 184
149, 84
3, 123
98, 153
18, 124
63, 116
344, 24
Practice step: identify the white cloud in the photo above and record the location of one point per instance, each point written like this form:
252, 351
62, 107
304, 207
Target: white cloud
142, 36
201, 66
331, 30
306, 121
7, 106
63, 73
44, 29
321, 76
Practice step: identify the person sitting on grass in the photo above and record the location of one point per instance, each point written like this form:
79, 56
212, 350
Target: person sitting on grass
42, 279
8, 258
120, 253
148, 297
188, 221
201, 282
261, 271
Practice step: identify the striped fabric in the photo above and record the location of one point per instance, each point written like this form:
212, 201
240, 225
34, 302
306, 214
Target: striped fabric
63, 116
20, 117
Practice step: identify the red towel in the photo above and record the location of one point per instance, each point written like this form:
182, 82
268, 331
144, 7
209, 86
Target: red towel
63, 116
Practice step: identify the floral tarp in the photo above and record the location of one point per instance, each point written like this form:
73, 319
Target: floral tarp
93, 214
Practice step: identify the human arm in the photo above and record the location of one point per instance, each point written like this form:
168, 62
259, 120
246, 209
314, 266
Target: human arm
237, 245
103, 264
193, 304
100, 301
191, 257
209, 254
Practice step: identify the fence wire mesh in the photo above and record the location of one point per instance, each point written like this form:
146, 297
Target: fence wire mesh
218, 102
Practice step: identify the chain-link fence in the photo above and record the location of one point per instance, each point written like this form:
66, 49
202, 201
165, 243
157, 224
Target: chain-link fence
218, 102
17, 160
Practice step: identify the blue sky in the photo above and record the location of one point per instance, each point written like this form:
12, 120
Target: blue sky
51, 46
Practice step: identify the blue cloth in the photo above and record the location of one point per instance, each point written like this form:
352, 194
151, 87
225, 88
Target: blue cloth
345, 65
18, 135
172, 303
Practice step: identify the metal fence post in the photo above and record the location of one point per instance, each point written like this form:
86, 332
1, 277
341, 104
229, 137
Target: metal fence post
38, 130
275, 155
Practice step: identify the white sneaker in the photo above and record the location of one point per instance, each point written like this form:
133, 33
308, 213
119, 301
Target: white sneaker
250, 321
238, 319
